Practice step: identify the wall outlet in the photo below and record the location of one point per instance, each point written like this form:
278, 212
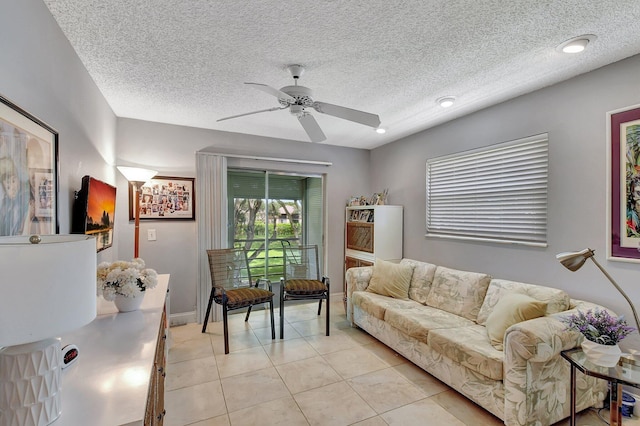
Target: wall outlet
151, 234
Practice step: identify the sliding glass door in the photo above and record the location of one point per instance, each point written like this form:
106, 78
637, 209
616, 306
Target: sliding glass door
270, 211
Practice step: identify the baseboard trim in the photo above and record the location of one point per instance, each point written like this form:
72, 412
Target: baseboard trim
182, 318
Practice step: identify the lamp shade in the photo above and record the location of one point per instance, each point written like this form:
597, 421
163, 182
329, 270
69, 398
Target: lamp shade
137, 174
575, 259
48, 289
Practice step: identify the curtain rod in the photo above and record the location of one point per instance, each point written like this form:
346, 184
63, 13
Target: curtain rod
281, 160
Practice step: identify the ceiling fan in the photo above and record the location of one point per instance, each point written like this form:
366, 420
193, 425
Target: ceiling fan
299, 101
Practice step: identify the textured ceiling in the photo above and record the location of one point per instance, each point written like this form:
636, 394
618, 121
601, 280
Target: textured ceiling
184, 62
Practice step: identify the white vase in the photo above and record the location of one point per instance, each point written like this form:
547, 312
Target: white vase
602, 355
128, 304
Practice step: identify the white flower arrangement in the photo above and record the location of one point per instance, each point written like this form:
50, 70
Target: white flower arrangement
124, 278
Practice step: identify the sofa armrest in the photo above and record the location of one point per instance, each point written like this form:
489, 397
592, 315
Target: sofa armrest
541, 339
357, 279
537, 378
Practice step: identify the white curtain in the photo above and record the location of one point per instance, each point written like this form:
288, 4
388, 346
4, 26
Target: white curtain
211, 213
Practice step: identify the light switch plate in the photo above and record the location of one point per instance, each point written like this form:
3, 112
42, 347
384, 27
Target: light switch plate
151, 234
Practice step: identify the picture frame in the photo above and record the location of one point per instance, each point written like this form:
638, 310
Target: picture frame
94, 211
165, 198
623, 184
28, 173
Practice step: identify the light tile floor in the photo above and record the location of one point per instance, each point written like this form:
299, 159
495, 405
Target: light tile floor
348, 378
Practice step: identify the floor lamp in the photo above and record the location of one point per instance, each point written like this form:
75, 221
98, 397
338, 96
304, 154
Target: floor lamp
574, 261
137, 177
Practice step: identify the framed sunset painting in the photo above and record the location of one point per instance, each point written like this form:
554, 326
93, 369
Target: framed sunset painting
94, 211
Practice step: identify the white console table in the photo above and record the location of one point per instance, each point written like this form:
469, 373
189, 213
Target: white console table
118, 378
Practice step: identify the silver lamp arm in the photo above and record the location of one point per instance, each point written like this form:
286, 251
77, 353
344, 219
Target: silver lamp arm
606, 274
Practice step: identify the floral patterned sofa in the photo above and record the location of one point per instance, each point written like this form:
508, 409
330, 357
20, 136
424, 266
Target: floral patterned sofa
442, 326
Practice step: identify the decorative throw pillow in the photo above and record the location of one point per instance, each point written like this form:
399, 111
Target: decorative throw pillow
512, 309
391, 279
458, 292
557, 300
421, 280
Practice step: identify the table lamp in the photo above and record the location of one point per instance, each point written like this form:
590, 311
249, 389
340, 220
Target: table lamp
48, 289
574, 261
137, 177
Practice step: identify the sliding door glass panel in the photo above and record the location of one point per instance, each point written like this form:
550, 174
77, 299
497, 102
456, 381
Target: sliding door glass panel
246, 201
271, 211
313, 217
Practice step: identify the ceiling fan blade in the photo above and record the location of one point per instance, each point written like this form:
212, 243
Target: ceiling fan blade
275, 92
312, 128
348, 114
249, 113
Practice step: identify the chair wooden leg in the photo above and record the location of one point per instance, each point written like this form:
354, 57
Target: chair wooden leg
206, 317
273, 325
248, 313
226, 329
281, 310
319, 306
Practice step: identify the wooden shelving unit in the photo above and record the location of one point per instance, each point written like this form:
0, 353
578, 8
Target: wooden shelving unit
372, 232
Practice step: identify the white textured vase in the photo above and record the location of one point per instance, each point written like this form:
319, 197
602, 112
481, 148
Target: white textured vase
128, 304
602, 355
31, 383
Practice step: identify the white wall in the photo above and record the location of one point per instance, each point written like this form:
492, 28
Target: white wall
574, 115
171, 150
40, 72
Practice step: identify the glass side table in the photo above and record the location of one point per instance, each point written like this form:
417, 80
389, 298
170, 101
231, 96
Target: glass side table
622, 374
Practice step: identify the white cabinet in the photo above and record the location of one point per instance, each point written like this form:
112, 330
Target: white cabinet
118, 378
372, 232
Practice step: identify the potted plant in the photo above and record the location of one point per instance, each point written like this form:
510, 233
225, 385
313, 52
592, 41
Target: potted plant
125, 282
602, 333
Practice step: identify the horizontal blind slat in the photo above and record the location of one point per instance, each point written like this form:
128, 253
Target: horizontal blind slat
498, 193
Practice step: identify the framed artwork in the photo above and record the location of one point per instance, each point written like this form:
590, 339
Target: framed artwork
165, 197
623, 175
94, 211
28, 173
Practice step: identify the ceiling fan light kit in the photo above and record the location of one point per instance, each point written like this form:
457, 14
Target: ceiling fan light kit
299, 100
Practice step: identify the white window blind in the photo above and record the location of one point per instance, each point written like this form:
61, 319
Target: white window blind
497, 193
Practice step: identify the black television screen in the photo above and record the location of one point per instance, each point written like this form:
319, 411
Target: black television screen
94, 211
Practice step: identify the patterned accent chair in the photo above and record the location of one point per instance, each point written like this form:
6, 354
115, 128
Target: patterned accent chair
301, 280
233, 288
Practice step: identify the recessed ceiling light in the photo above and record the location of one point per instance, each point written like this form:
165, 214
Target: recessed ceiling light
576, 44
446, 101
381, 130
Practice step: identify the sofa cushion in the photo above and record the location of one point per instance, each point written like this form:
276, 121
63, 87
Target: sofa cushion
458, 292
470, 347
511, 309
391, 279
421, 279
376, 305
557, 300
418, 320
